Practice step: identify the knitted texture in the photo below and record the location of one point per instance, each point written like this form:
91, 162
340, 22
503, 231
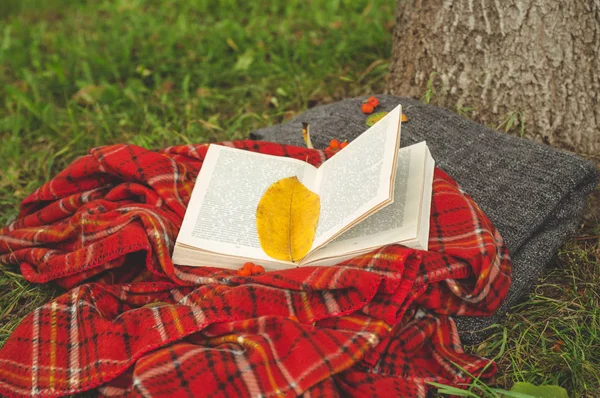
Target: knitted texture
534, 194
136, 324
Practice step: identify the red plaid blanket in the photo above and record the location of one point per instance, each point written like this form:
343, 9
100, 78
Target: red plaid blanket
135, 324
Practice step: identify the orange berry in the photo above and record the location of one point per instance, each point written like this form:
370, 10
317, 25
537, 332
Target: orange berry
343, 144
248, 265
367, 108
373, 101
258, 269
334, 143
244, 272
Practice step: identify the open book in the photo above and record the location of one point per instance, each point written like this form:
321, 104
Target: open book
372, 194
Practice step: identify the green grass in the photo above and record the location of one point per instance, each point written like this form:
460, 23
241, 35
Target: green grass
554, 336
78, 74
81, 74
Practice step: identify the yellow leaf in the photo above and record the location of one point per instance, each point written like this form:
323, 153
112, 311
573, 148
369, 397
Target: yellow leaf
231, 43
306, 135
286, 219
88, 95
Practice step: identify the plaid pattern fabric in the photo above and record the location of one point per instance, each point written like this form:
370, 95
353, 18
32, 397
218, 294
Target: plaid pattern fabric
135, 324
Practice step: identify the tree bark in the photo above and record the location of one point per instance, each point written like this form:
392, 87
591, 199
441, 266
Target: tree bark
508, 64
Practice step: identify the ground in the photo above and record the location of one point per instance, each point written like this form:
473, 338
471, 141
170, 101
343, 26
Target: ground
81, 74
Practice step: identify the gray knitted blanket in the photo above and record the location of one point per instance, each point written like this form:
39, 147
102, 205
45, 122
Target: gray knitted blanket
534, 194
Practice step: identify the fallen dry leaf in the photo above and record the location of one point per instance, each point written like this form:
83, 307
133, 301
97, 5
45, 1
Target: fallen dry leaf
231, 44
167, 86
88, 95
286, 219
306, 135
374, 118
203, 92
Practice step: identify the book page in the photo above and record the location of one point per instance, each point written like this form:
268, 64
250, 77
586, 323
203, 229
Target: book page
359, 178
221, 215
397, 222
425, 215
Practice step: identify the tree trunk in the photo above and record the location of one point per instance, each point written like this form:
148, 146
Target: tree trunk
528, 66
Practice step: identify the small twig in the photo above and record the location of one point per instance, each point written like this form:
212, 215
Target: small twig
587, 237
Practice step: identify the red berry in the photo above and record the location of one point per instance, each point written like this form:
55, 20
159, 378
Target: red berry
343, 144
367, 108
248, 265
244, 272
294, 318
258, 269
334, 144
373, 101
